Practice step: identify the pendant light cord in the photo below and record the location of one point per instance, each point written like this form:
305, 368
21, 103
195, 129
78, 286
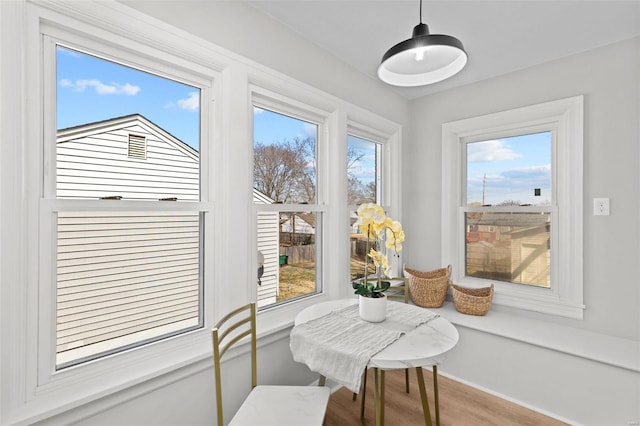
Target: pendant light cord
421, 11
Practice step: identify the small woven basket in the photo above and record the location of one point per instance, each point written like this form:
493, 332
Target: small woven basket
472, 301
428, 289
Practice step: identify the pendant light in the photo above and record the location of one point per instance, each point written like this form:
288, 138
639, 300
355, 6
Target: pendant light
423, 59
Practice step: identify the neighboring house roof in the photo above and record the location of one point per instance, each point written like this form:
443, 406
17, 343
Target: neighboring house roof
301, 224
261, 198
508, 219
83, 130
310, 218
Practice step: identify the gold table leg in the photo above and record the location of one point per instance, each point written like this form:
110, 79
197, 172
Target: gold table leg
435, 394
378, 377
364, 395
355, 395
423, 396
382, 387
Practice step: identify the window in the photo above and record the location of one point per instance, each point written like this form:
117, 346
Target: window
126, 202
286, 196
508, 209
512, 205
364, 160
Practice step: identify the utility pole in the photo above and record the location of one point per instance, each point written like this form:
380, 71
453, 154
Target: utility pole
484, 186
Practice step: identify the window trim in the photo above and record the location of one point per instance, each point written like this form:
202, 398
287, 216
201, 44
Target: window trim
565, 117
48, 369
42, 382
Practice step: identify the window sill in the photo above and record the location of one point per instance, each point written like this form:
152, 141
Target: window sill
614, 351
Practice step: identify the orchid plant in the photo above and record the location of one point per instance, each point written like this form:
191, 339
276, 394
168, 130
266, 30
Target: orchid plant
376, 226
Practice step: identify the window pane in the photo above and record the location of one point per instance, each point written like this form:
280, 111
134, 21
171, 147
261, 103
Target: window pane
284, 167
510, 171
511, 247
298, 253
124, 278
362, 170
124, 132
284, 172
363, 173
288, 248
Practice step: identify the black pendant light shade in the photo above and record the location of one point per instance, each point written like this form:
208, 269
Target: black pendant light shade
422, 59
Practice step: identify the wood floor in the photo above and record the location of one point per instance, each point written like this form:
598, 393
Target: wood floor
460, 405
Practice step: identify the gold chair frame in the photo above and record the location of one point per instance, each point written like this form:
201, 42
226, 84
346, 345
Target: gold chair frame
219, 348
307, 404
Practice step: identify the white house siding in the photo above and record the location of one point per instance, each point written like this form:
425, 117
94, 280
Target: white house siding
268, 244
124, 277
93, 162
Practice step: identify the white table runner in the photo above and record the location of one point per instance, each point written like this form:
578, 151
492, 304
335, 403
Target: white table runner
339, 345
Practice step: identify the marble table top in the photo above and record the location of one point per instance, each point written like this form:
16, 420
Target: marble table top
424, 346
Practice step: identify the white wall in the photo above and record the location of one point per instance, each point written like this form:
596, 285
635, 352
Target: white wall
609, 78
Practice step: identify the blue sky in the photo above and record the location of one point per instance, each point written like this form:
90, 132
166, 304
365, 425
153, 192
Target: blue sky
365, 168
270, 127
513, 167
90, 89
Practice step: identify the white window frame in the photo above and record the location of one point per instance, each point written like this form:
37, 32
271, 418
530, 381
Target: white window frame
565, 119
45, 391
388, 135
384, 155
277, 103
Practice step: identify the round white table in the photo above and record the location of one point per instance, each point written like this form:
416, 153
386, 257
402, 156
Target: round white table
425, 346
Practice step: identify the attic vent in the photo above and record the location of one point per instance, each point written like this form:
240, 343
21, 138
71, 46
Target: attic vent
137, 147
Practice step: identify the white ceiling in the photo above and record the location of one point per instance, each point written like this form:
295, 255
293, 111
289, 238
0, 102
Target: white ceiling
499, 36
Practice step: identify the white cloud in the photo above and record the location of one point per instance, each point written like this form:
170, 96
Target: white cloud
192, 103
257, 110
527, 174
512, 184
493, 150
100, 87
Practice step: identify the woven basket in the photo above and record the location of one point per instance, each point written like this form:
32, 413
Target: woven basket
428, 289
472, 301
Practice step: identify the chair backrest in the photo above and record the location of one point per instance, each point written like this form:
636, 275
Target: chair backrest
230, 330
